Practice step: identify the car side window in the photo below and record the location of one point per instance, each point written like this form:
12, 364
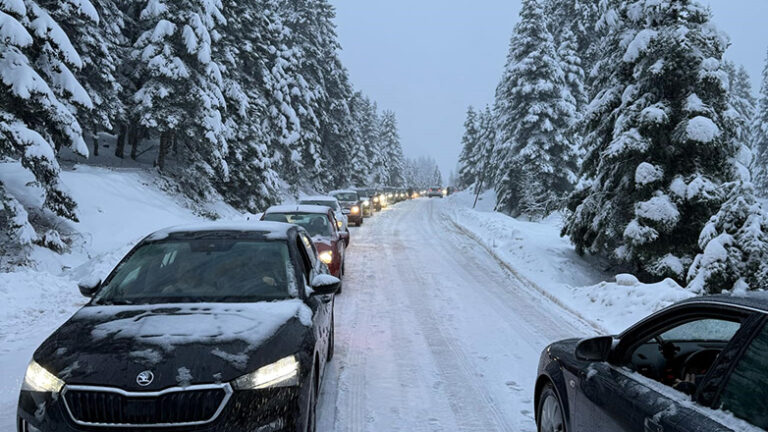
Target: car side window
746, 391
681, 356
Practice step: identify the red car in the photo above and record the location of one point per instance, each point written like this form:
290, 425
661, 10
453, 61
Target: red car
320, 222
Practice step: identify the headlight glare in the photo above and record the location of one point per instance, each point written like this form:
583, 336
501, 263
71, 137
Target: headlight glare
282, 373
355, 210
38, 379
326, 257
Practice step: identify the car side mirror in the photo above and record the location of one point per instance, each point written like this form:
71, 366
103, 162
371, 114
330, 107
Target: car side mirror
344, 235
325, 284
346, 211
89, 286
596, 349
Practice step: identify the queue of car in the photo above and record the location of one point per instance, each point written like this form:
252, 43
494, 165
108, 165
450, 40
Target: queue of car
214, 327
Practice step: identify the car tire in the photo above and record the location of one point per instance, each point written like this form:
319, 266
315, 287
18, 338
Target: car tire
550, 416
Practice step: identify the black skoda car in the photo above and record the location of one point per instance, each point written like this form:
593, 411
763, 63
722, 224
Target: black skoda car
208, 328
700, 365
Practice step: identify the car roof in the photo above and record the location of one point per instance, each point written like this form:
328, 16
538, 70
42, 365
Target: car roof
299, 208
270, 230
318, 198
342, 191
752, 300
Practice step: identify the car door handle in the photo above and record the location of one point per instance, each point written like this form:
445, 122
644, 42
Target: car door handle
652, 425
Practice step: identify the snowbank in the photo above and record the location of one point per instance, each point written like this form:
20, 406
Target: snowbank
535, 252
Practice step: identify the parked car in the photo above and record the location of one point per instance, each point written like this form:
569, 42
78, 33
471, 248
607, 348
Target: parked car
333, 203
210, 327
435, 191
375, 197
366, 200
320, 222
691, 367
351, 205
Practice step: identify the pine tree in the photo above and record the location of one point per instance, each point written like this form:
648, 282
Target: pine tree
470, 157
486, 170
535, 112
575, 22
658, 138
741, 101
759, 137
392, 151
37, 61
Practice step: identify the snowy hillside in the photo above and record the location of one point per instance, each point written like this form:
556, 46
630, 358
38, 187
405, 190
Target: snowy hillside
116, 208
536, 254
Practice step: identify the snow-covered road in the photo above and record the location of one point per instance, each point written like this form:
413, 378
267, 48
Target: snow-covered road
432, 334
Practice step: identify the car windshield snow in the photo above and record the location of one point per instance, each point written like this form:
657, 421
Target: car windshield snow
316, 224
346, 196
201, 270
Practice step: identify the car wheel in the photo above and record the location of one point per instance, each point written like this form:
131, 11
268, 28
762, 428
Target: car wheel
332, 341
550, 410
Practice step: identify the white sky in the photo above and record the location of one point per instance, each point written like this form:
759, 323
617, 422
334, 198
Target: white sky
429, 59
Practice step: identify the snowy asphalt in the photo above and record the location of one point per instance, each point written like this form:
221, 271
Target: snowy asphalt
432, 334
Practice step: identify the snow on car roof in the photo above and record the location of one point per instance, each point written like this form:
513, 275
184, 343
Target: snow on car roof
271, 230
340, 191
318, 198
298, 208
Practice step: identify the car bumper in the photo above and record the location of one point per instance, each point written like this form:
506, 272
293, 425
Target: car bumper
268, 410
355, 218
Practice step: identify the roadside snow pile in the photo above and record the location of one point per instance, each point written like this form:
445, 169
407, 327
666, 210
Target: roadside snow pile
536, 253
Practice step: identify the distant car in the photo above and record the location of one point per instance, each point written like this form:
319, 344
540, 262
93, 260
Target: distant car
366, 201
435, 191
320, 222
333, 203
375, 196
351, 205
212, 327
691, 367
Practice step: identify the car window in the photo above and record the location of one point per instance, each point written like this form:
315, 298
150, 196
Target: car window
316, 224
346, 196
309, 247
681, 356
305, 260
746, 392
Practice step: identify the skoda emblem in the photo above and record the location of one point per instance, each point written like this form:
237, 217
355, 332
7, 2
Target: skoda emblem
145, 378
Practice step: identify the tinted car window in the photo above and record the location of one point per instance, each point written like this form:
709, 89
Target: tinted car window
199, 270
316, 224
746, 393
703, 330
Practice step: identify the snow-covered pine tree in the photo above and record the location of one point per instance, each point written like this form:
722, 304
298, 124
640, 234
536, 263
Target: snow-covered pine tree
96, 32
37, 63
535, 112
734, 246
759, 137
391, 149
180, 97
360, 164
575, 20
741, 100
486, 149
470, 157
658, 138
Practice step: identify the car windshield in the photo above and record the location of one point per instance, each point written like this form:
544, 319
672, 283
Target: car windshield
316, 224
201, 270
346, 196
332, 204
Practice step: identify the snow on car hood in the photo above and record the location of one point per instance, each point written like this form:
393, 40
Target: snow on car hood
180, 343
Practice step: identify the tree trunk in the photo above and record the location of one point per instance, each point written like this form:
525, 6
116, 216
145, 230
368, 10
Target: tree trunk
95, 142
120, 145
166, 141
133, 138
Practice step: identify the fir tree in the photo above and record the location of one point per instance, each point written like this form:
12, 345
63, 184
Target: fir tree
658, 138
741, 101
759, 137
469, 160
535, 112
391, 150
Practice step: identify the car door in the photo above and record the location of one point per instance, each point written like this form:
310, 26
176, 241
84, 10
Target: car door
322, 306
634, 392
336, 240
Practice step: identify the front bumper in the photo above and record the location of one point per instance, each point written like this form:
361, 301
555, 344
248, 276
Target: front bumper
267, 410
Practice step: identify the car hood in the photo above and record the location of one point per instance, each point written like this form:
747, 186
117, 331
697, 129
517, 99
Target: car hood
181, 344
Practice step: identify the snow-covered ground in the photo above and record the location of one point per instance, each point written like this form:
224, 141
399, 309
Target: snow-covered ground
116, 208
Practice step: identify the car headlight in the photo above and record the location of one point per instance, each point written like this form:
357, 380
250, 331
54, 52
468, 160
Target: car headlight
326, 257
355, 210
37, 379
282, 373
366, 203
376, 199
339, 223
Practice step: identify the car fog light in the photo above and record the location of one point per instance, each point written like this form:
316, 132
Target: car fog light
282, 373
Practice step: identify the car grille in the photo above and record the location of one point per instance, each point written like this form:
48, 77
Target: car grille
173, 407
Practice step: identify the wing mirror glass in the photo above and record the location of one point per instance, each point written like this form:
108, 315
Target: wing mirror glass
324, 284
594, 349
89, 286
344, 235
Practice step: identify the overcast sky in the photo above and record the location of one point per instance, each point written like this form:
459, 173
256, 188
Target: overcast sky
429, 59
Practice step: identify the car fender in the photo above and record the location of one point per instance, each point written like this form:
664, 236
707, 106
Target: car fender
551, 372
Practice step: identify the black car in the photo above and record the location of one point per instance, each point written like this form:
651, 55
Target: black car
209, 328
699, 365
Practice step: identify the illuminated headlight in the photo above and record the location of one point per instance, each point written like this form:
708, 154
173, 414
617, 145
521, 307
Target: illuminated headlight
376, 199
339, 223
355, 210
38, 379
326, 257
282, 373
366, 203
